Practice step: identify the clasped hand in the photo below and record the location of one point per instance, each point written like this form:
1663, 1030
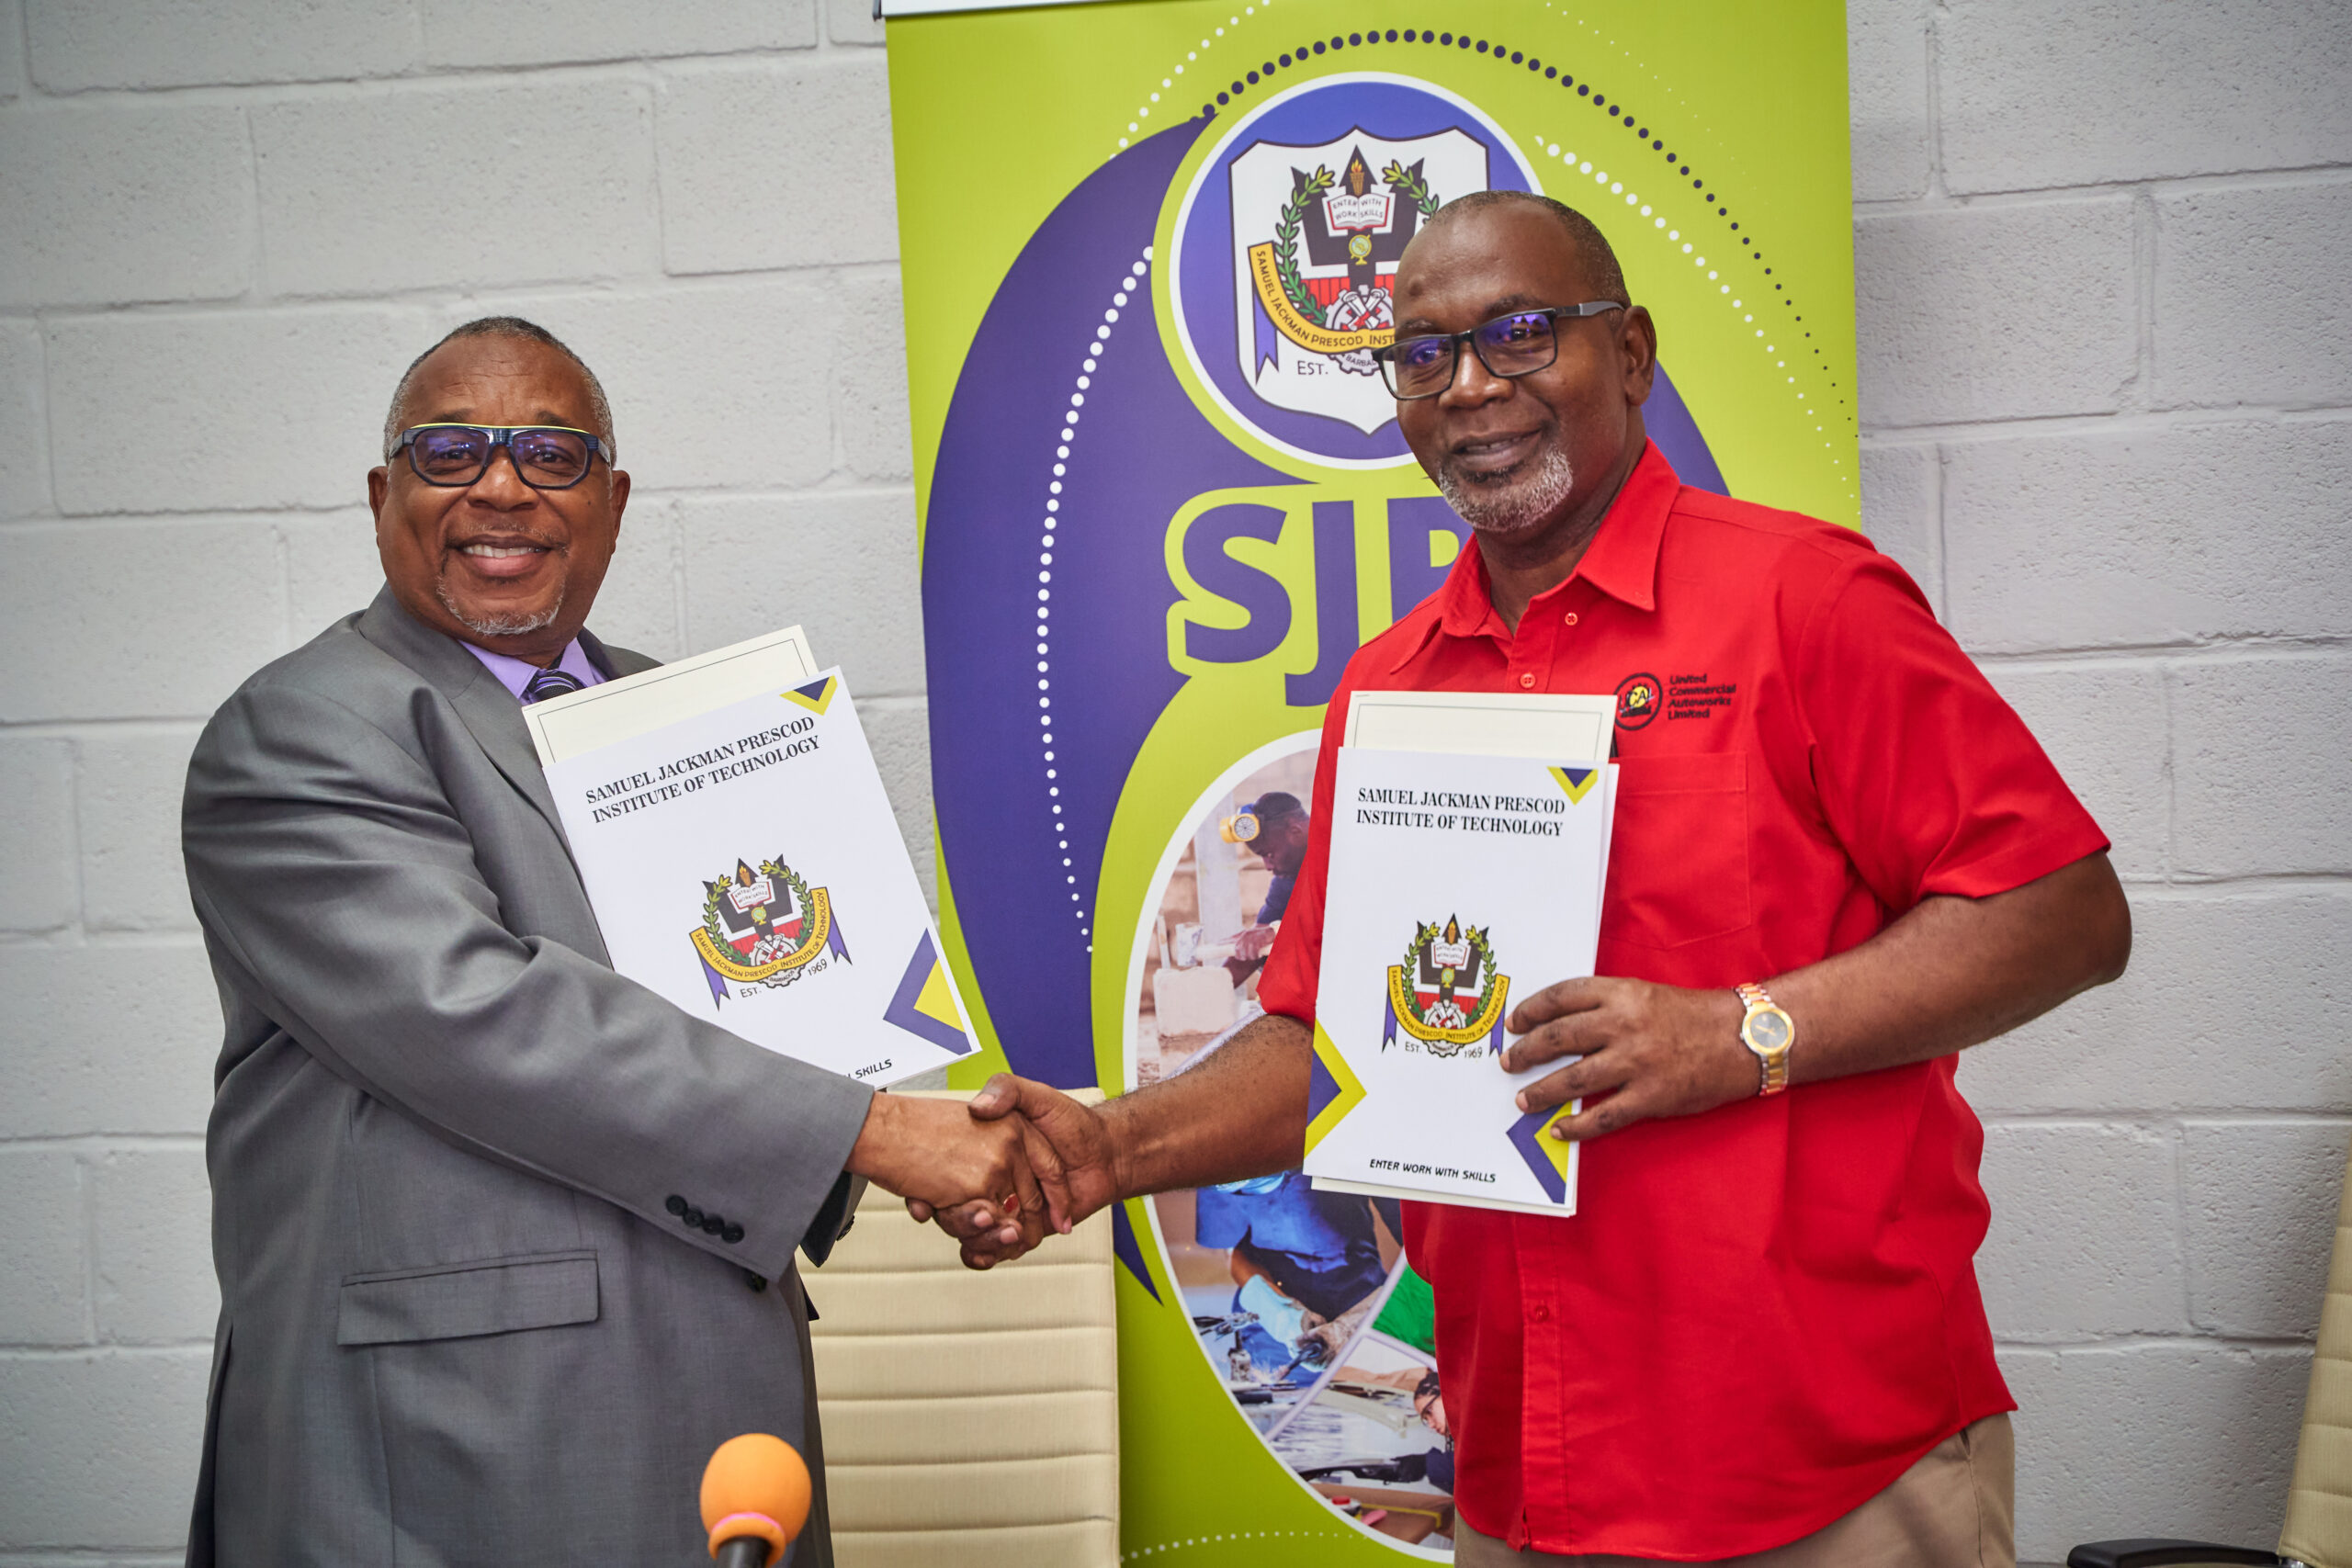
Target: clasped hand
985, 1169
1641, 1051
1063, 1143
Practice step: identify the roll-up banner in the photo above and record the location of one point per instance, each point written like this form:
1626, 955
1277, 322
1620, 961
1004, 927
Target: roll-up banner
1147, 247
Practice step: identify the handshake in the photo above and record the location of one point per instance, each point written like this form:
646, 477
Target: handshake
997, 1172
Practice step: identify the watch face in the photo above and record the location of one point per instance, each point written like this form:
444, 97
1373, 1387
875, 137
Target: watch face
1768, 1029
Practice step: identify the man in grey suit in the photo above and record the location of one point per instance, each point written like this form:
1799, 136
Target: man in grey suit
505, 1241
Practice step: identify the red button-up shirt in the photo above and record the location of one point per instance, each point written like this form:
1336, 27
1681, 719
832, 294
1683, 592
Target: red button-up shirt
1758, 1318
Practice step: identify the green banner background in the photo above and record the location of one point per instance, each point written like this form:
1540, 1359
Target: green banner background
1000, 116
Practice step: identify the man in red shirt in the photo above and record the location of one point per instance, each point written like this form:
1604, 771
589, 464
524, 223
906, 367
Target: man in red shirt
1838, 859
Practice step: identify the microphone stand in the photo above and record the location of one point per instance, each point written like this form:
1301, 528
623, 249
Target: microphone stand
743, 1551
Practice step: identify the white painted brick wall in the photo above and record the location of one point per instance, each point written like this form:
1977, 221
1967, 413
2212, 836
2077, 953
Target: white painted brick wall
2103, 304
86, 191
23, 447
2160, 1434
719, 383
151, 1253
39, 891
98, 1446
2281, 243
44, 1290
2251, 794
131, 781
2234, 530
2249, 1189
555, 32
1981, 343
12, 49
751, 154
477, 184
2121, 1275
2107, 425
76, 46
315, 378
842, 565
2035, 95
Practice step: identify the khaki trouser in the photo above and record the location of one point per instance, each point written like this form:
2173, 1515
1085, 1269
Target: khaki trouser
1955, 1508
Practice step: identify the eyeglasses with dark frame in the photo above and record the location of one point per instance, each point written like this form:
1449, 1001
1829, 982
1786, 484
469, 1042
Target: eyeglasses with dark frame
545, 457
1517, 344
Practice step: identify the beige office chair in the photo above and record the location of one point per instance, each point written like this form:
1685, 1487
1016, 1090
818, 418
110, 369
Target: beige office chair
2319, 1499
970, 1418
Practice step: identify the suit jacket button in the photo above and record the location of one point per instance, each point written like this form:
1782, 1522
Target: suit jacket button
675, 1205
693, 1217
712, 1225
757, 1282
731, 1235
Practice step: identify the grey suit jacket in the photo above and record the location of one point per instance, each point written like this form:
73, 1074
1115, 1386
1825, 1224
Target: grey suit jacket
459, 1322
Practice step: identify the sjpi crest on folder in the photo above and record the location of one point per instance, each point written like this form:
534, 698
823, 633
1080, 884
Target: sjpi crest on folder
744, 863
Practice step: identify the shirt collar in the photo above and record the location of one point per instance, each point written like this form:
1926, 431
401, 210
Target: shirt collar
1621, 561
515, 673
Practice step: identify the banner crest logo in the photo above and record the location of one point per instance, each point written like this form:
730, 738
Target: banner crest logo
1287, 244
1317, 296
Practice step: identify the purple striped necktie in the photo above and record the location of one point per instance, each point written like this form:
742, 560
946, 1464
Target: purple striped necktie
550, 683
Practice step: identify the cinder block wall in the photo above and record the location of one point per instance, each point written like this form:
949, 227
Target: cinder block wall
2107, 318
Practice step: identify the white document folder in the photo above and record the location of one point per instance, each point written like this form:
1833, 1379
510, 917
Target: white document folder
1443, 1113
744, 863
564, 726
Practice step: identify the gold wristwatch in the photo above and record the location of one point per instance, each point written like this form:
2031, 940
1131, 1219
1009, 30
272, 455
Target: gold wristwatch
1769, 1033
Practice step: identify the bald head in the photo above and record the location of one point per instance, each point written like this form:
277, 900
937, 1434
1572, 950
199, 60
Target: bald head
510, 329
1598, 262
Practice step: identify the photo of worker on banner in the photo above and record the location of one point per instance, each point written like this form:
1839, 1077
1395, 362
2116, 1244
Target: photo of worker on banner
1300, 1299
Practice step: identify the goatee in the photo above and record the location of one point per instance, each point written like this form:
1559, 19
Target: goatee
1511, 504
498, 626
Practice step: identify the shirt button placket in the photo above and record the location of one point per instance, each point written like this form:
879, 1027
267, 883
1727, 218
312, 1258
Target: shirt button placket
1535, 651
1545, 1476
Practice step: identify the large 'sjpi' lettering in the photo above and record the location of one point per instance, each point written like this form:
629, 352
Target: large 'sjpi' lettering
1301, 576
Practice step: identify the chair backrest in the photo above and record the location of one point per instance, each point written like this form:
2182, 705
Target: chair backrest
2319, 1504
970, 1418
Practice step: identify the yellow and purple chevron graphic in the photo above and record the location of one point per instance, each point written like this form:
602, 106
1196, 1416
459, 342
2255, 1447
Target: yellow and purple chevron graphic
1332, 1090
816, 695
1578, 782
926, 1005
1554, 1160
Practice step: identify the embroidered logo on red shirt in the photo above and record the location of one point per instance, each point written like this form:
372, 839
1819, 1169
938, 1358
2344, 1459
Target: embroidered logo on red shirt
1637, 701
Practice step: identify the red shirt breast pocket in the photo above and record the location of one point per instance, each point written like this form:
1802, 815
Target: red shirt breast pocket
1678, 853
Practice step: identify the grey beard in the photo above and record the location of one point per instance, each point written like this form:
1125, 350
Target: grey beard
1516, 504
498, 626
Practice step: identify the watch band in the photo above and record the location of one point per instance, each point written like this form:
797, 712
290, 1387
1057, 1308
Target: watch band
1771, 1059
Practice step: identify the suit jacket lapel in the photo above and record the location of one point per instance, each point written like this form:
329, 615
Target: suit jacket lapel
488, 709
614, 662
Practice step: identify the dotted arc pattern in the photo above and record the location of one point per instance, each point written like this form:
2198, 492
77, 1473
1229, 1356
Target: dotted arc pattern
1135, 280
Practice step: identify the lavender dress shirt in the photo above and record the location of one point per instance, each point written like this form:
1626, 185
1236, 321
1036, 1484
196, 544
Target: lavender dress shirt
515, 673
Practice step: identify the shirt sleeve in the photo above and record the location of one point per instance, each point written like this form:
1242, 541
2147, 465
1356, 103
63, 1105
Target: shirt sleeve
1928, 777
1287, 984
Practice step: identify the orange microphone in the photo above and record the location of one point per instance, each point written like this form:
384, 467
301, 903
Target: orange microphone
754, 1500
